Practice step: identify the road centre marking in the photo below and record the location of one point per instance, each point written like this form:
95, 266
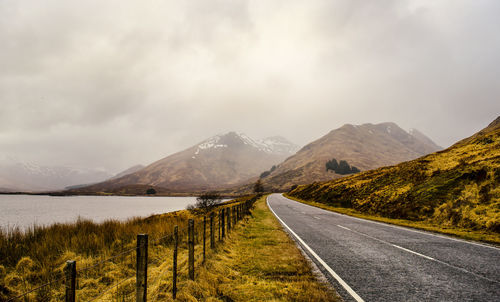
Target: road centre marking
395, 226
383, 241
321, 261
421, 255
343, 227
397, 246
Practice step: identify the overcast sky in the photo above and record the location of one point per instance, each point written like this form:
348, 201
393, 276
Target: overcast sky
112, 84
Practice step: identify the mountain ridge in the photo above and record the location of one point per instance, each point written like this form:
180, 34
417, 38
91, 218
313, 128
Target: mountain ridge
365, 146
220, 161
457, 187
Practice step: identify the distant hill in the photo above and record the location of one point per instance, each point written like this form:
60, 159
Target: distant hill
458, 187
30, 177
118, 175
130, 170
366, 147
218, 162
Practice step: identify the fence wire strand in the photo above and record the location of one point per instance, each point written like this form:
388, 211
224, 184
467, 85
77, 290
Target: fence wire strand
35, 289
220, 221
110, 288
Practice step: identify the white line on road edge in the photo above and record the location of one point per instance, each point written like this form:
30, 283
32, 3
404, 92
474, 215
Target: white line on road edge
397, 246
321, 261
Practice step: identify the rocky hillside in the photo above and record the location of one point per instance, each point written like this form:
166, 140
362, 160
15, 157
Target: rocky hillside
218, 162
366, 147
457, 187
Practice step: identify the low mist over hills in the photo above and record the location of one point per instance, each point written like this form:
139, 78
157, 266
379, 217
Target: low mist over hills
218, 162
128, 171
366, 147
456, 187
29, 177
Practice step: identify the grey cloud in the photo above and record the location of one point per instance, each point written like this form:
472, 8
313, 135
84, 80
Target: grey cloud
115, 83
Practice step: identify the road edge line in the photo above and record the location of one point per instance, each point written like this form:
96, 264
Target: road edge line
318, 258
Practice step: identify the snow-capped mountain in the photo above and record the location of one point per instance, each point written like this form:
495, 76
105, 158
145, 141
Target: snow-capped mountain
217, 162
280, 145
271, 145
30, 177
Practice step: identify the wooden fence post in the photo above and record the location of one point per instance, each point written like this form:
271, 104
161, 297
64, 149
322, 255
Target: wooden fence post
141, 281
228, 210
191, 248
204, 236
212, 235
218, 220
223, 224
235, 215
70, 272
174, 265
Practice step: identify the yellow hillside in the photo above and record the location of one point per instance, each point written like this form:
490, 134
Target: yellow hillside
456, 187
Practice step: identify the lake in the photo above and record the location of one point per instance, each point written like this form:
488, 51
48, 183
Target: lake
24, 211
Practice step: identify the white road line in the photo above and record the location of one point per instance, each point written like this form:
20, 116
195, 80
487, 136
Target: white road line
343, 227
317, 217
418, 254
413, 252
402, 248
383, 241
321, 261
395, 226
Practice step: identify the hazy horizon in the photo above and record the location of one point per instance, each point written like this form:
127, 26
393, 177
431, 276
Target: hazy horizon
118, 83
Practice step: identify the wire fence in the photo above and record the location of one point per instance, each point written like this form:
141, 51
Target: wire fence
148, 272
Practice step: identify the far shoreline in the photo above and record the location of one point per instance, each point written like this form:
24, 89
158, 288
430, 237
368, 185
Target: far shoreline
65, 193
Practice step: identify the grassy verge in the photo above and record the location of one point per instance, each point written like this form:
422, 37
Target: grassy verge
29, 259
453, 231
258, 262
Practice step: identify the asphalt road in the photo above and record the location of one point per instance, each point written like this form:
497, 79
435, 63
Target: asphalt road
372, 261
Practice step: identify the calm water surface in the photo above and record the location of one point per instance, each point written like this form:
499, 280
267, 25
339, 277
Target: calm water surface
24, 211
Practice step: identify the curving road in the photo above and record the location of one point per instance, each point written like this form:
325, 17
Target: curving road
372, 261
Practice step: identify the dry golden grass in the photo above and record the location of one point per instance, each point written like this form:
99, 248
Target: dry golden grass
256, 262
37, 256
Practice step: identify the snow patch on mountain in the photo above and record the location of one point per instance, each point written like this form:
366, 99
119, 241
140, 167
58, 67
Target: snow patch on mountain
271, 145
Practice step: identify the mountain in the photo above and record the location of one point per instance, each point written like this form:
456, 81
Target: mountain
456, 187
220, 161
30, 177
366, 147
123, 173
130, 170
